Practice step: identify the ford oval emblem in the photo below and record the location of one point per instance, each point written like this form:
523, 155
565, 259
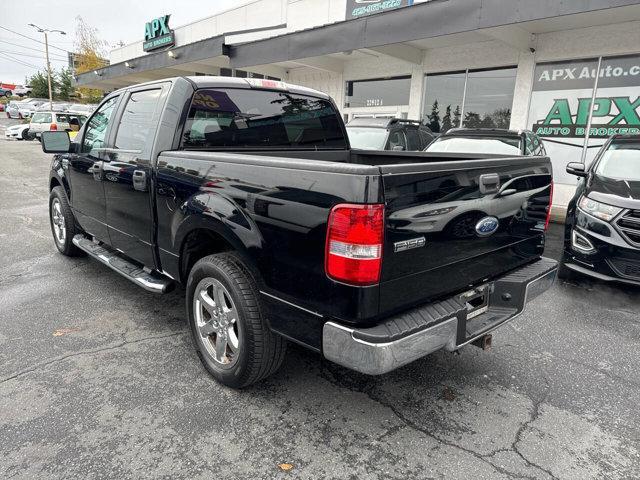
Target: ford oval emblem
487, 226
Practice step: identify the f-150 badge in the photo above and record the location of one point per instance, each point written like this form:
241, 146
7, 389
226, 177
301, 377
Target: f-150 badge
409, 244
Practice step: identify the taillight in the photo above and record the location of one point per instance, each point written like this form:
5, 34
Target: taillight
53, 126
548, 219
354, 243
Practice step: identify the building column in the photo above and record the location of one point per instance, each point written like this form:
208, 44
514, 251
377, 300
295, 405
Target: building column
415, 92
522, 92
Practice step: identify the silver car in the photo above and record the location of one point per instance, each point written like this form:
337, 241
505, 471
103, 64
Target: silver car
27, 107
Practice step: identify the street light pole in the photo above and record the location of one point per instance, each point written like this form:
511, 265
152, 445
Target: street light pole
46, 49
46, 31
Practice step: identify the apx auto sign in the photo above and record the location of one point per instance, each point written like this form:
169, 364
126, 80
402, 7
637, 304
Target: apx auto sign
157, 34
563, 98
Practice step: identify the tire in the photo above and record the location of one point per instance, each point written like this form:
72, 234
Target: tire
25, 134
61, 219
257, 352
7, 94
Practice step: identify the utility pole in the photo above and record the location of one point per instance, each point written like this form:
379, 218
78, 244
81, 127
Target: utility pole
46, 31
46, 49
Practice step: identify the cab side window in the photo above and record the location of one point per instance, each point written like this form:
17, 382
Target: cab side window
96, 131
137, 126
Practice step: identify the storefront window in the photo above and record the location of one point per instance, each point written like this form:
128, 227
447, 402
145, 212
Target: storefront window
378, 92
443, 100
487, 103
473, 99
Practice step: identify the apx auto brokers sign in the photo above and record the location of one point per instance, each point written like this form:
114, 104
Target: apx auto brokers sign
563, 98
157, 34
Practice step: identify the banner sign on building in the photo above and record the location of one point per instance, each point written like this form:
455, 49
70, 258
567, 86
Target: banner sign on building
157, 34
361, 8
562, 98
563, 102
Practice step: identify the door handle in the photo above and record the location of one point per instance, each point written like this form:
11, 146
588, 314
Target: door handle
140, 180
489, 183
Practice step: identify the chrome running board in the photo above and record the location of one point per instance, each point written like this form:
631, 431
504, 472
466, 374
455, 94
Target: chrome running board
150, 281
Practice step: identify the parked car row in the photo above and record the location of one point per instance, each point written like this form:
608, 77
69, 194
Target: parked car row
45, 122
7, 90
25, 108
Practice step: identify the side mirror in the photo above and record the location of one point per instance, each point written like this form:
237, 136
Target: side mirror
577, 168
55, 142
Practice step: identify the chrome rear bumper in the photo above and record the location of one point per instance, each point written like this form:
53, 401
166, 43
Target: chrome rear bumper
368, 353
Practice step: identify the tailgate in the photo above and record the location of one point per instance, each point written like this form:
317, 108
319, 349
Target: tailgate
454, 224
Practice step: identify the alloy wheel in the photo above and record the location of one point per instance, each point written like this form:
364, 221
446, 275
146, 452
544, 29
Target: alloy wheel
217, 321
57, 220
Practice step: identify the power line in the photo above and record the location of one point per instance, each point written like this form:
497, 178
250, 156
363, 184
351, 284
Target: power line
34, 49
31, 38
32, 55
20, 62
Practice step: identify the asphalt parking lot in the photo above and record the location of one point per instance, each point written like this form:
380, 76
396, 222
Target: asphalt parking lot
98, 379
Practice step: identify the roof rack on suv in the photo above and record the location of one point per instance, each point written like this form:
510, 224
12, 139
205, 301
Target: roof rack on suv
382, 122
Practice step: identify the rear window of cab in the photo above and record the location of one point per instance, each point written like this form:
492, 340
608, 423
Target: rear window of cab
250, 119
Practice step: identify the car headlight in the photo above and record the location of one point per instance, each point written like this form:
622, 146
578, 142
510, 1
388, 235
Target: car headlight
599, 210
433, 213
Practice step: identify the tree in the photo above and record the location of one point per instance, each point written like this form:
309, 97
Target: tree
487, 122
90, 53
456, 117
40, 85
471, 120
446, 120
434, 118
502, 117
65, 84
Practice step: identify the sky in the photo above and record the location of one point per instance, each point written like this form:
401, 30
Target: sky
116, 20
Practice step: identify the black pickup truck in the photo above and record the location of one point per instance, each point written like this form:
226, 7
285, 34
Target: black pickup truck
247, 193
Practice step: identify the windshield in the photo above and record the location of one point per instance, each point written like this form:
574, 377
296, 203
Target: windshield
621, 161
495, 145
367, 138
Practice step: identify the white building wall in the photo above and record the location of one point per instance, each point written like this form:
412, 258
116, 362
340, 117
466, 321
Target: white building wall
296, 14
328, 82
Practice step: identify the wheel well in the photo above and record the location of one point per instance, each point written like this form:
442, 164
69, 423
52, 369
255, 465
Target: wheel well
54, 183
198, 244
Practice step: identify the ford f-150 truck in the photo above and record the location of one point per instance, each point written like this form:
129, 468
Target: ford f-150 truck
245, 192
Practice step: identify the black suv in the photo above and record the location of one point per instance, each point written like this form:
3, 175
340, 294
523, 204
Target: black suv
488, 140
388, 134
602, 233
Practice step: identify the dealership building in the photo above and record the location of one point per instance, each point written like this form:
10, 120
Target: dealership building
568, 70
